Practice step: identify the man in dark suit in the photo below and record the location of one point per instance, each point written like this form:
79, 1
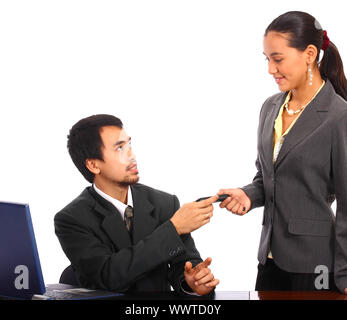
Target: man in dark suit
123, 236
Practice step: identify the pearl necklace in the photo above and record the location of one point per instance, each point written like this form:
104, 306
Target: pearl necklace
292, 112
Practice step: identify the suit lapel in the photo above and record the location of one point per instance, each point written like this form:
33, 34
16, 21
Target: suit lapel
268, 129
308, 121
115, 228
144, 221
112, 224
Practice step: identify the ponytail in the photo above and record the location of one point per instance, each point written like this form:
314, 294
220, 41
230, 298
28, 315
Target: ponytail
331, 67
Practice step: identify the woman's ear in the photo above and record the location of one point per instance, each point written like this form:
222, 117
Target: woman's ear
93, 166
311, 53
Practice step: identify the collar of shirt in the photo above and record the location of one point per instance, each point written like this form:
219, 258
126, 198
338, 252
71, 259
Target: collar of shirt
120, 206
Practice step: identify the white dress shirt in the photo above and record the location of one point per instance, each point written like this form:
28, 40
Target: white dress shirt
120, 206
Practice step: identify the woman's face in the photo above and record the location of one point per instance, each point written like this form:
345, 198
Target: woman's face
287, 65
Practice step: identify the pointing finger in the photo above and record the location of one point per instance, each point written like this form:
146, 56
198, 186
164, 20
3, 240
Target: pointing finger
207, 202
207, 262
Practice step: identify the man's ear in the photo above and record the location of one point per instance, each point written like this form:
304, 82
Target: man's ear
93, 166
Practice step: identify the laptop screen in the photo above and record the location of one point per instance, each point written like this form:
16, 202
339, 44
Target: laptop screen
20, 269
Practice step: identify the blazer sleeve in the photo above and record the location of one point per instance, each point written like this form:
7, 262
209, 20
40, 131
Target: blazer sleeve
255, 190
106, 269
339, 167
176, 270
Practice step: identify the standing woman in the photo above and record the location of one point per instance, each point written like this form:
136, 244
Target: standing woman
301, 162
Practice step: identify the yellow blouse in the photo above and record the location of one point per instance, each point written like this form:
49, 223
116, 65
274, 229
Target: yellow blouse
278, 137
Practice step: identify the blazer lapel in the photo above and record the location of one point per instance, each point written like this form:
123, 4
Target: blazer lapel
144, 220
113, 224
268, 129
308, 121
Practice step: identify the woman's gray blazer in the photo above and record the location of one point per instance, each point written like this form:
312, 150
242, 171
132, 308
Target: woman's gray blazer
299, 225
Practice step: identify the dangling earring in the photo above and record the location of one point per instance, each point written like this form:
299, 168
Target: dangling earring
310, 75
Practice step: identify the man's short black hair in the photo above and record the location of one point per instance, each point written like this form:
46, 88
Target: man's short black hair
84, 140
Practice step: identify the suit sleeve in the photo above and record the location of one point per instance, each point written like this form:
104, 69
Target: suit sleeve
255, 190
106, 269
339, 167
176, 271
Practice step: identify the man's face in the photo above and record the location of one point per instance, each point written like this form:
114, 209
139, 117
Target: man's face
119, 165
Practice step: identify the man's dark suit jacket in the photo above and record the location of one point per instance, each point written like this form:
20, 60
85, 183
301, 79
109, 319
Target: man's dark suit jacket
297, 191
94, 237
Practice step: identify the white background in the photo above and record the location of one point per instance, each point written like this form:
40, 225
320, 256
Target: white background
187, 78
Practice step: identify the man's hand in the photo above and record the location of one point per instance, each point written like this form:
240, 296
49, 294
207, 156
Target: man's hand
200, 279
238, 202
194, 215
346, 291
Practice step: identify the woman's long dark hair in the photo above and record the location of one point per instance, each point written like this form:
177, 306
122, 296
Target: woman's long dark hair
305, 30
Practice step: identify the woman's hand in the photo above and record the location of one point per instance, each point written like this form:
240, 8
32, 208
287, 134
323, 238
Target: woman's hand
238, 202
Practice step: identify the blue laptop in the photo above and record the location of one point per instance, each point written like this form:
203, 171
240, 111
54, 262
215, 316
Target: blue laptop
20, 269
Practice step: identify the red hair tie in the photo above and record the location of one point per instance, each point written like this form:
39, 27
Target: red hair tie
326, 41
